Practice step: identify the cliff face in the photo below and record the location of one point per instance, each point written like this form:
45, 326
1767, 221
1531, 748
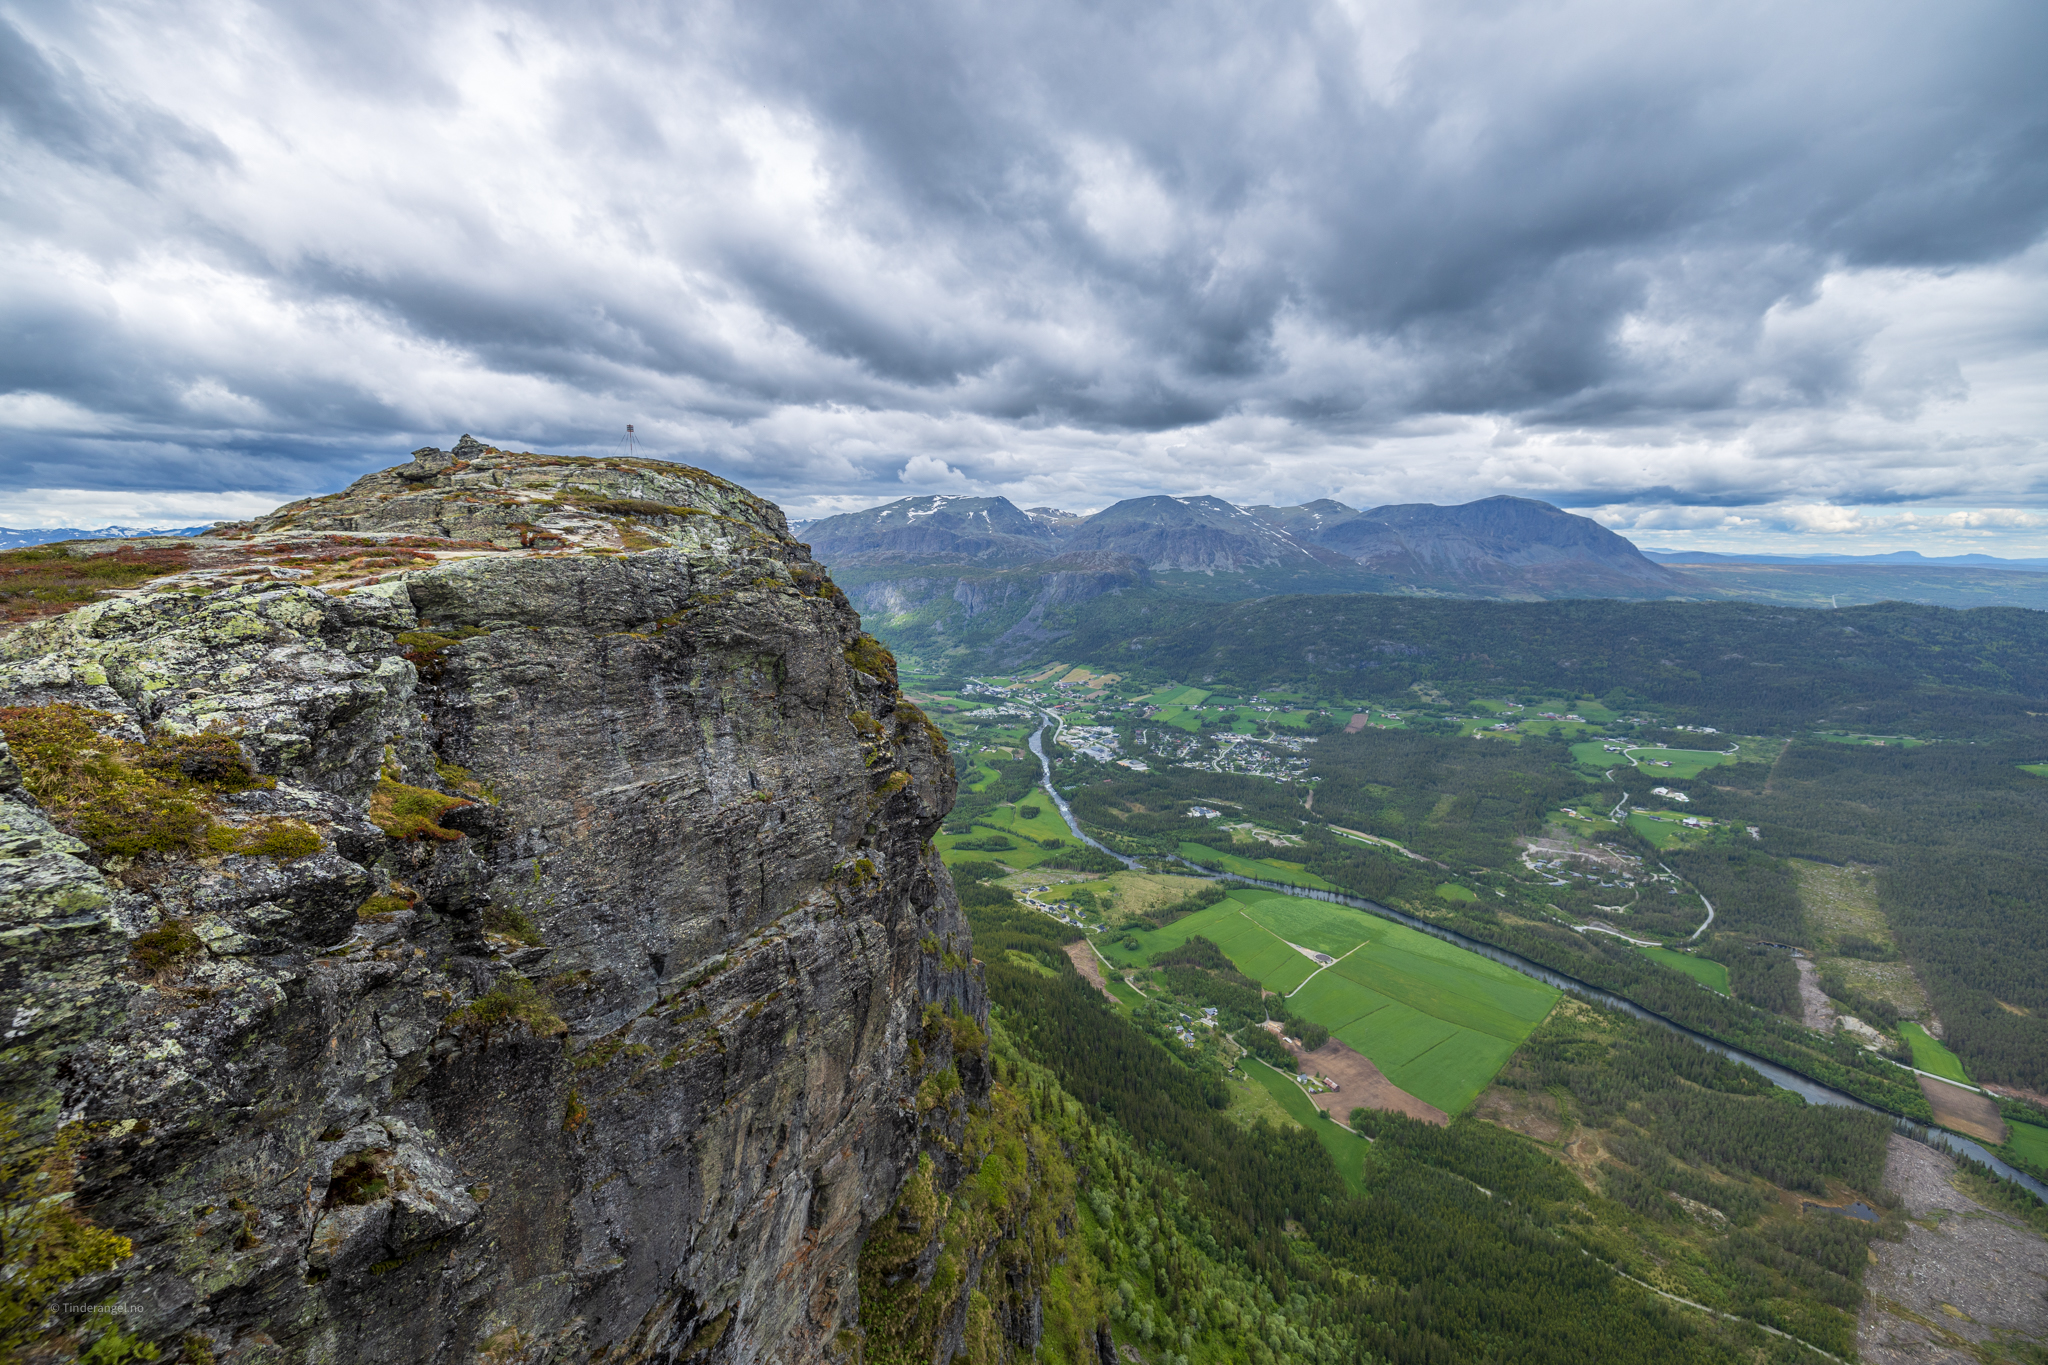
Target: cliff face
534, 953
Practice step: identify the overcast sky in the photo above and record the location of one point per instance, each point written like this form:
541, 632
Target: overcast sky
1720, 274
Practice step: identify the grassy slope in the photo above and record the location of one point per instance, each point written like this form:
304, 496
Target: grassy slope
1707, 972
1930, 1056
1265, 869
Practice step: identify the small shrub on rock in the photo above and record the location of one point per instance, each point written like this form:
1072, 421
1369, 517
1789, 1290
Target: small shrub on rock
165, 948
513, 1001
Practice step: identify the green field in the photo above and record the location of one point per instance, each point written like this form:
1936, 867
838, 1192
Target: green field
1437, 1020
1592, 753
1451, 891
1886, 741
1023, 833
1684, 762
1118, 990
1668, 831
1662, 833
1706, 971
2037, 769
1592, 818
1346, 1148
2027, 1144
1930, 1056
1270, 869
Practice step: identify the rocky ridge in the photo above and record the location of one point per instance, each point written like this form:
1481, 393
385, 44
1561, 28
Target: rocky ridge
484, 914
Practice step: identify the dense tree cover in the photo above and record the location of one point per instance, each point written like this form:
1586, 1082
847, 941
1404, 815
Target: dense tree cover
1456, 800
1679, 1123
1698, 1106
1760, 975
1955, 831
1465, 1247
1752, 891
1756, 669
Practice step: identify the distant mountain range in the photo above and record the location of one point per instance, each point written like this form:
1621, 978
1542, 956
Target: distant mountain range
967, 582
1497, 546
14, 538
1907, 558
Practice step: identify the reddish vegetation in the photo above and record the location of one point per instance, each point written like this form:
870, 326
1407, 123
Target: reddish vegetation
49, 582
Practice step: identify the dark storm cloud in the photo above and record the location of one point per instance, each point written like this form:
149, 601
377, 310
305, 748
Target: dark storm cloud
809, 243
49, 102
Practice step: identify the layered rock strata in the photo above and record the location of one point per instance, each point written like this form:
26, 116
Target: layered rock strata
558, 980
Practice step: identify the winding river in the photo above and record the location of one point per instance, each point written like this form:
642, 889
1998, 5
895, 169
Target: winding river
1813, 1092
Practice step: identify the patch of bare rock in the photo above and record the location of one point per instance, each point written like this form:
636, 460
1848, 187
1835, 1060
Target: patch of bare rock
1965, 1285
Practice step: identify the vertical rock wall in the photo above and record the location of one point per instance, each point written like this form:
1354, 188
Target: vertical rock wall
617, 1062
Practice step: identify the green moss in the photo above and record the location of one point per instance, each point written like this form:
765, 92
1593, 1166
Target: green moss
425, 648
910, 718
873, 658
405, 812
937, 1089
466, 782
209, 759
604, 1050
280, 839
574, 1114
896, 782
165, 948
967, 1035
513, 1001
123, 799
45, 1244
382, 908
513, 923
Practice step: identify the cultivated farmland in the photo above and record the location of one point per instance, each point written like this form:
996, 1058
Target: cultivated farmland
1436, 1020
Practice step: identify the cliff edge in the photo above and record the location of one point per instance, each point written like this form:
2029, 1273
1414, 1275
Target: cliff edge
487, 913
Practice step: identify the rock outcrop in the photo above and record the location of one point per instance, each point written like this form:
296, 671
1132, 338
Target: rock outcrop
495, 921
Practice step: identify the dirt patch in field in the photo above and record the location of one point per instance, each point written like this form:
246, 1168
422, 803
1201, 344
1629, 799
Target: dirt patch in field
1359, 1085
1087, 964
1359, 720
1519, 1111
1966, 1111
1962, 1282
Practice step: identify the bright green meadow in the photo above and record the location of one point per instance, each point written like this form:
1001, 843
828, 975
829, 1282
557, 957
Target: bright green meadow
1438, 1021
1930, 1056
1706, 971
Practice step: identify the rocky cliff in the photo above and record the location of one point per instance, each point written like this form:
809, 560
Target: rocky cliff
485, 914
